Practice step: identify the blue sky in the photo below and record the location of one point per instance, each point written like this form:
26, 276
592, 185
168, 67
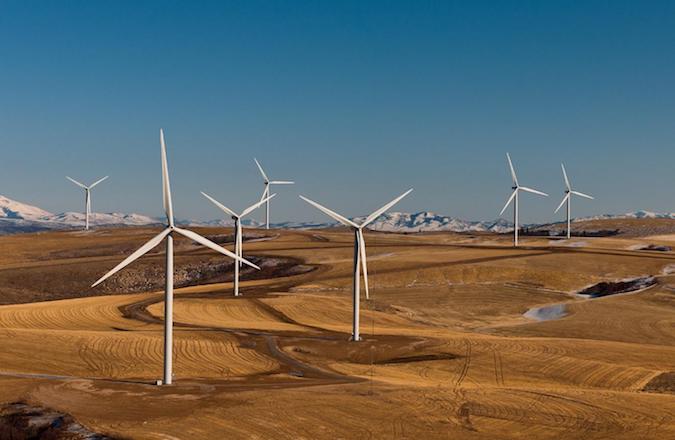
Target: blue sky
356, 101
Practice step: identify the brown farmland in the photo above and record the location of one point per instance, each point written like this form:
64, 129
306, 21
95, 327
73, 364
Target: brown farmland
447, 352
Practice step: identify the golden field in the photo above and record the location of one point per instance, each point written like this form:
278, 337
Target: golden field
447, 352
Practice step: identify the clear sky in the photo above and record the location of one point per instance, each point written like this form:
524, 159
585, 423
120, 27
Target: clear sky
356, 101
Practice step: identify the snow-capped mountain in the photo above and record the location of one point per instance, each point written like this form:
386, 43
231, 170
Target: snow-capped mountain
255, 224
11, 209
636, 214
101, 219
18, 217
428, 221
391, 222
226, 223
22, 217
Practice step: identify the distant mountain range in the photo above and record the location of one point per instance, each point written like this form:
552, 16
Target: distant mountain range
426, 221
16, 217
21, 217
636, 214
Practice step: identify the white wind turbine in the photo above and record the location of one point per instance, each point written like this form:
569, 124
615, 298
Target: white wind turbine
359, 253
266, 191
514, 197
168, 233
568, 198
238, 245
87, 198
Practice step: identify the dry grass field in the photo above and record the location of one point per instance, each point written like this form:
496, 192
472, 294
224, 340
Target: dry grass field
447, 352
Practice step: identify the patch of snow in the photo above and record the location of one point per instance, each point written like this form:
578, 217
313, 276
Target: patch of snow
568, 243
547, 313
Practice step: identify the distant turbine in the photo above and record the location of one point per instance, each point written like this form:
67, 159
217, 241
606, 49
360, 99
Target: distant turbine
568, 199
87, 198
238, 246
359, 252
168, 233
514, 197
266, 191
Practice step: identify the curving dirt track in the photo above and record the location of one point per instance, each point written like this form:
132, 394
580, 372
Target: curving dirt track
446, 350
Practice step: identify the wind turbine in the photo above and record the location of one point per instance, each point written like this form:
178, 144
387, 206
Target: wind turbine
266, 191
87, 198
238, 246
514, 198
359, 252
168, 233
568, 198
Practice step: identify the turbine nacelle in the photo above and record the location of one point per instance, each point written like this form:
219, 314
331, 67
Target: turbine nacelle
87, 197
266, 191
514, 197
568, 194
517, 187
85, 187
238, 243
358, 228
171, 228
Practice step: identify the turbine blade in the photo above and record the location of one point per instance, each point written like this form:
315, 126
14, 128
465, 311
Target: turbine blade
76, 182
222, 207
147, 247
330, 213
508, 202
513, 171
380, 211
261, 170
364, 265
281, 182
211, 245
567, 196
265, 192
255, 206
533, 191
567, 181
577, 193
97, 182
166, 186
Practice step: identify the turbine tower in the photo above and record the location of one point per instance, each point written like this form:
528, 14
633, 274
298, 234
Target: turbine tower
87, 198
568, 198
266, 191
359, 253
238, 245
514, 198
168, 233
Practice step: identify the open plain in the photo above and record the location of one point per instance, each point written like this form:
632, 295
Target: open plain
464, 336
